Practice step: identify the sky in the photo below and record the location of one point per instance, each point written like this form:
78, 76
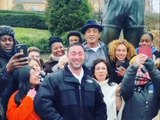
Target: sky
156, 6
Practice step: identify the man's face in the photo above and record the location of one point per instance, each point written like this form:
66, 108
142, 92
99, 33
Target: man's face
146, 40
73, 39
34, 54
92, 35
6, 43
76, 57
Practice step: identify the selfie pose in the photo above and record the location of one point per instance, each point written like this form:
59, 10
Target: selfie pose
120, 52
9, 61
141, 89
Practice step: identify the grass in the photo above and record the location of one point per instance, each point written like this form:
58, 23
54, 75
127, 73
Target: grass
31, 32
33, 37
25, 34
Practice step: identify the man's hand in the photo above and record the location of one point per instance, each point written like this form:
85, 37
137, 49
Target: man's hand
149, 64
140, 60
16, 61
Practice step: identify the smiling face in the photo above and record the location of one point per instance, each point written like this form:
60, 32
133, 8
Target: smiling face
121, 52
35, 72
34, 78
57, 49
6, 43
76, 57
92, 36
100, 71
34, 54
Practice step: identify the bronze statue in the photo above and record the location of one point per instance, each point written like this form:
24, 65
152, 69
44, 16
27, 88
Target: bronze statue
123, 15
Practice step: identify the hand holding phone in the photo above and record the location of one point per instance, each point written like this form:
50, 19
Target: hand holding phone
121, 71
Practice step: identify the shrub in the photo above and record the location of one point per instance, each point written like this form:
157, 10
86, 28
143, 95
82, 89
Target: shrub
67, 15
23, 19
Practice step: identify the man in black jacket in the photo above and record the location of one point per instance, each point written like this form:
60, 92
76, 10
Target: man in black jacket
8, 62
71, 94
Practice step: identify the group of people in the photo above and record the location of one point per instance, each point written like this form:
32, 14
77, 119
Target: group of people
87, 81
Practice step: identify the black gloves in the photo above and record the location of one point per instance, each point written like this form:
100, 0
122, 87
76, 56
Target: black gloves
149, 64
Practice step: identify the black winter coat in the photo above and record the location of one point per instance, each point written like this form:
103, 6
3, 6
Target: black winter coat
7, 84
140, 103
62, 97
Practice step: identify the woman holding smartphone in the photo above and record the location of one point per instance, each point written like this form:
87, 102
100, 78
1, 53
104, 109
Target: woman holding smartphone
120, 52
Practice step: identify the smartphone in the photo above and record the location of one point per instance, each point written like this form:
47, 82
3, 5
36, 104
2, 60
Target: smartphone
145, 50
121, 64
21, 48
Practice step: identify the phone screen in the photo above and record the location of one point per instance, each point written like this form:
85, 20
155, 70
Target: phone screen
21, 48
145, 50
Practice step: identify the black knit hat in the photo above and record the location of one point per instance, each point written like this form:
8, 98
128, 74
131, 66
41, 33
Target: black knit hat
53, 40
7, 30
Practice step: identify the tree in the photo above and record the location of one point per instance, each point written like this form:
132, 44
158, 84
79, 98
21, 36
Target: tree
66, 15
19, 7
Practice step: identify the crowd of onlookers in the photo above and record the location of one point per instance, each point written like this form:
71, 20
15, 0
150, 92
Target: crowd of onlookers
87, 81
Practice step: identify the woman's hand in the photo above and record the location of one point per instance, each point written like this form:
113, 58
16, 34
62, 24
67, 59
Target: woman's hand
121, 71
31, 93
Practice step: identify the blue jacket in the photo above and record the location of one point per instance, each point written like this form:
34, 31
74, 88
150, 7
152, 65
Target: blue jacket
62, 97
101, 53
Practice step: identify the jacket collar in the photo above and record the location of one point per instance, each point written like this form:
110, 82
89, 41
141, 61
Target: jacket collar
68, 76
87, 48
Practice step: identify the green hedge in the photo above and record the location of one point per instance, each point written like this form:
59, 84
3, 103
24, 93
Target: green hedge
23, 19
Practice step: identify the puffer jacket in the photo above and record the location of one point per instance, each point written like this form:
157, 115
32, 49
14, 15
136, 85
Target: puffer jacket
62, 97
1, 111
141, 103
8, 84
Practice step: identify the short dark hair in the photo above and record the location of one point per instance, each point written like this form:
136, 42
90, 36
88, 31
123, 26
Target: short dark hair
75, 33
95, 62
148, 33
75, 44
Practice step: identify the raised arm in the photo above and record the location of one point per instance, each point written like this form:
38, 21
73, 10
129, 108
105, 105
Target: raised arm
128, 85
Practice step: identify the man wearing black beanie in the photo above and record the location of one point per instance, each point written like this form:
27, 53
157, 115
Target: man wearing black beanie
9, 60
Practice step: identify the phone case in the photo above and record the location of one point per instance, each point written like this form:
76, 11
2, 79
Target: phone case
145, 50
21, 48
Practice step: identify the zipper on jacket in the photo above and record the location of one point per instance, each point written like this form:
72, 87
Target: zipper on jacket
80, 100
